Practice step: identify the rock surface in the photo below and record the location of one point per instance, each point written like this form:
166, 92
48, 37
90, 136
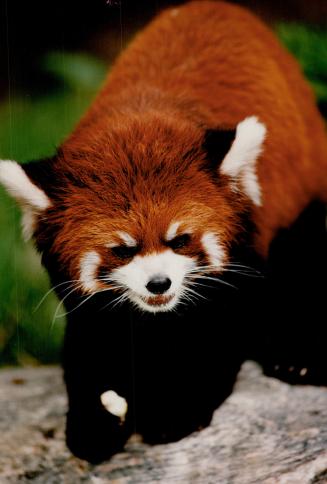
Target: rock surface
266, 432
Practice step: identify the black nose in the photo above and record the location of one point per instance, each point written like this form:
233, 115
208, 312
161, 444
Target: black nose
158, 284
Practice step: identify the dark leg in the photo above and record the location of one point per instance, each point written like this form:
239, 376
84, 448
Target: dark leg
186, 367
93, 365
293, 322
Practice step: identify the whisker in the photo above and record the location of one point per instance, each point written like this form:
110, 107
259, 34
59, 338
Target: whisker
242, 273
61, 302
113, 286
108, 279
58, 316
216, 279
120, 299
241, 266
53, 289
189, 290
185, 297
193, 283
202, 268
247, 270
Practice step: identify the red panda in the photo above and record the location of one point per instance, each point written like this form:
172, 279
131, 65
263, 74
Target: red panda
203, 121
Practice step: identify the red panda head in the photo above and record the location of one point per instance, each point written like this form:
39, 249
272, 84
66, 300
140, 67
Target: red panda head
141, 208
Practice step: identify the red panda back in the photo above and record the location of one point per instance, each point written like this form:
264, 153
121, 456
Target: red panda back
223, 65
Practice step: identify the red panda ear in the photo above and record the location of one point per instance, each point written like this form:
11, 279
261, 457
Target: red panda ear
236, 153
20, 183
216, 144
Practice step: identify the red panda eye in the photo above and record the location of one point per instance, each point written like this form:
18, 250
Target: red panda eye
124, 252
179, 242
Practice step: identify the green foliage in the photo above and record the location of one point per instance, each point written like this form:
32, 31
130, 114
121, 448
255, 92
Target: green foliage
31, 128
309, 45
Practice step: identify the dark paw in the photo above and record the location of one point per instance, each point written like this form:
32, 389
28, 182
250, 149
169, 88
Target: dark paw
95, 437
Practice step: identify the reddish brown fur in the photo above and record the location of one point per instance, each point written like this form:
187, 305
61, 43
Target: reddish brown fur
186, 192
204, 65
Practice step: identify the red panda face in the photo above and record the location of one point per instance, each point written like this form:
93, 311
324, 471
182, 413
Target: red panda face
141, 210
153, 270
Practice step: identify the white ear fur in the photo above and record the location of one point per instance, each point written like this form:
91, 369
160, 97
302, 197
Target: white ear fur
240, 161
20, 187
31, 198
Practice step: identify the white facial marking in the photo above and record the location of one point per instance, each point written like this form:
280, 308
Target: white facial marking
136, 274
213, 249
172, 231
31, 198
88, 269
127, 239
110, 245
114, 403
240, 161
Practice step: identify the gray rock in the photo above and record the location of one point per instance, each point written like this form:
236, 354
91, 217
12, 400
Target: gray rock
266, 432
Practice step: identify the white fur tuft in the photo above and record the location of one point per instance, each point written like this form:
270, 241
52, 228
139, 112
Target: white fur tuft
240, 161
88, 268
114, 403
172, 231
31, 198
213, 249
127, 239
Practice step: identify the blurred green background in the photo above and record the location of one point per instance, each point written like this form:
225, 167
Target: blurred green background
31, 126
